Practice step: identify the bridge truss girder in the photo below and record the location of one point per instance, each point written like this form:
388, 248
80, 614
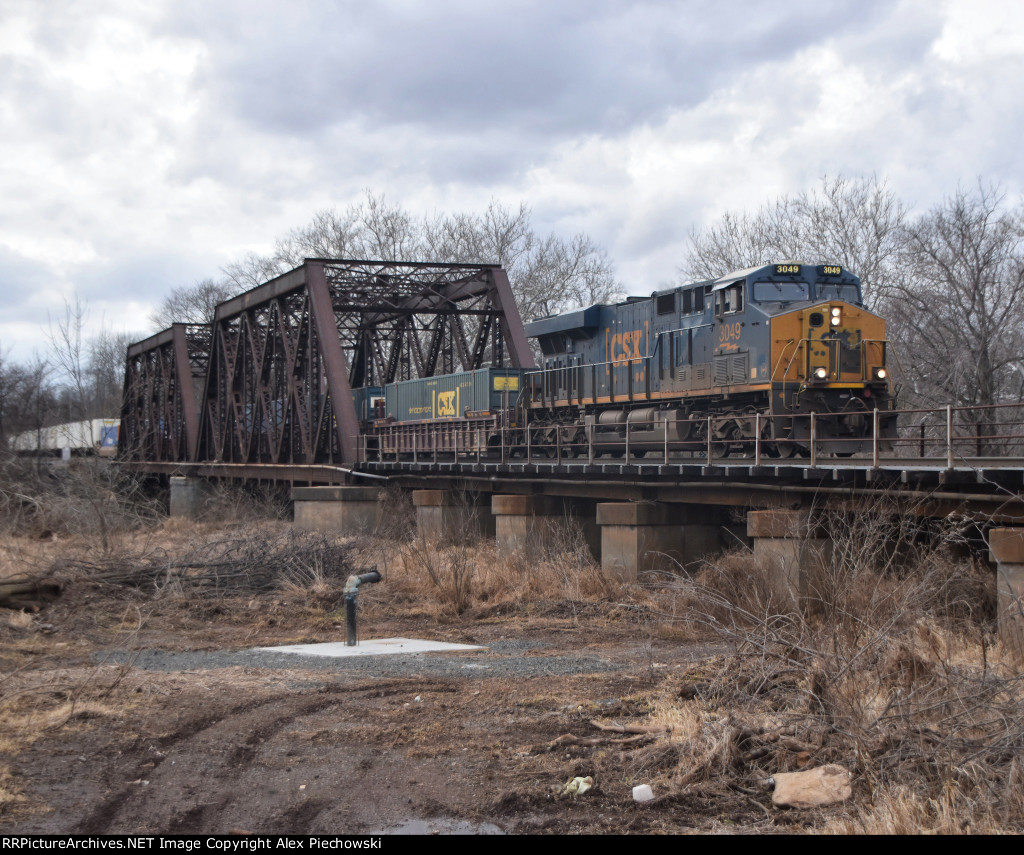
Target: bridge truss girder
164, 377
286, 356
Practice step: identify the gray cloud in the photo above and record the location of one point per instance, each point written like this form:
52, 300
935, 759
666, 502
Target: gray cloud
532, 68
142, 146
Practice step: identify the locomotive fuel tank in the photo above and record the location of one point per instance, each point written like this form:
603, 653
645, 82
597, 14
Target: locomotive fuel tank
648, 427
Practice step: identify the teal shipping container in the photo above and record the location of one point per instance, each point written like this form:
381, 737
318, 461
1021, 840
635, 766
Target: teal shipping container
452, 396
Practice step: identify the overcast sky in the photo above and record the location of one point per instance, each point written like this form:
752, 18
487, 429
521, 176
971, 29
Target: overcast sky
143, 145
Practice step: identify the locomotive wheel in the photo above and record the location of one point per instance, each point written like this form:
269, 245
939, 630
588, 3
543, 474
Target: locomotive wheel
720, 450
728, 440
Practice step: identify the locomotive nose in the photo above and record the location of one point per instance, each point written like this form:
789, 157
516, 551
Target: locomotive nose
834, 335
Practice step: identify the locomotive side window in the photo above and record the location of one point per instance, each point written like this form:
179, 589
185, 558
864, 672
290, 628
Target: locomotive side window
687, 301
730, 300
666, 304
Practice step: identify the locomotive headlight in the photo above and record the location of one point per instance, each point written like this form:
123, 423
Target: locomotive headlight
820, 373
881, 373
837, 316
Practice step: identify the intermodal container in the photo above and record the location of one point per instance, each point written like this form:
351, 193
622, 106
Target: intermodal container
366, 400
452, 396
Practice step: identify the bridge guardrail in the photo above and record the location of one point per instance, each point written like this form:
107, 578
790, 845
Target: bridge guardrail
948, 435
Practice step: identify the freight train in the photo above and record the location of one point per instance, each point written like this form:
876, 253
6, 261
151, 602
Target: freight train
774, 357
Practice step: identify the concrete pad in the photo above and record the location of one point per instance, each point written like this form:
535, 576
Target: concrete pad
374, 647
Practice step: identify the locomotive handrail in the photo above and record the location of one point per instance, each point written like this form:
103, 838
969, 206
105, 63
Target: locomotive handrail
786, 344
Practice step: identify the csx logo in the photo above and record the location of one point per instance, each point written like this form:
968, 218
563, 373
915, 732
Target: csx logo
625, 346
446, 404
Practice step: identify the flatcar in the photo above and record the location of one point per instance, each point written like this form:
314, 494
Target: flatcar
707, 365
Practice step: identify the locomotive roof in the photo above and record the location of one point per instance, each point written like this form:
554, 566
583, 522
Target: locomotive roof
735, 276
578, 319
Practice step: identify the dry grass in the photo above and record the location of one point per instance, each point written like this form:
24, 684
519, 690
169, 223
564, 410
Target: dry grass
471, 577
36, 703
888, 668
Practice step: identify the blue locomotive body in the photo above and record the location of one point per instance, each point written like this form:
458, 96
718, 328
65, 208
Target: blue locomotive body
779, 341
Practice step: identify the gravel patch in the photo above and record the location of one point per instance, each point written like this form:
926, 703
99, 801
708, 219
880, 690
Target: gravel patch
500, 659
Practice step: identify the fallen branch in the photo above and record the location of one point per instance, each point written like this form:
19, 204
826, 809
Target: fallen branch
631, 728
29, 594
590, 741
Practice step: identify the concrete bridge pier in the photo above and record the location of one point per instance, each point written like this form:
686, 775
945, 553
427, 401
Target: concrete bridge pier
337, 510
792, 551
1006, 547
527, 525
450, 515
645, 537
189, 496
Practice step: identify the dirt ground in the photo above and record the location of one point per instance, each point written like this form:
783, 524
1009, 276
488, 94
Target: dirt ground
113, 741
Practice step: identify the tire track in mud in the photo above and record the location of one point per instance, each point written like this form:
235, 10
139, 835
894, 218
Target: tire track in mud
219, 746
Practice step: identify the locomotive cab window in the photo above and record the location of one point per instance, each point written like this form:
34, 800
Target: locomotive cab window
837, 291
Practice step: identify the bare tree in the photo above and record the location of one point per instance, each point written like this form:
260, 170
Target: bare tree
371, 229
958, 311
27, 398
89, 371
68, 348
855, 222
194, 304
547, 274
106, 353
564, 274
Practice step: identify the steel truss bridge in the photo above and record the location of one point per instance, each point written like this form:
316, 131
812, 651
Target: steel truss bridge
265, 393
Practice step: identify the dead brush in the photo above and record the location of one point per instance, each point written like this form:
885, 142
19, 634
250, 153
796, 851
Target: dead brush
246, 560
456, 576
440, 572
886, 668
86, 498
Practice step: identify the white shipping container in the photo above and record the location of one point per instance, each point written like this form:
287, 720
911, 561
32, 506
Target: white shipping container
95, 435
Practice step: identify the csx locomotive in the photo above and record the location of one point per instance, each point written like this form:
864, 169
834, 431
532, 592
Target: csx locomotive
758, 350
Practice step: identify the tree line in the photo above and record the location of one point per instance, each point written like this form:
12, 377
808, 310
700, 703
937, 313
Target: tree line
947, 279
548, 273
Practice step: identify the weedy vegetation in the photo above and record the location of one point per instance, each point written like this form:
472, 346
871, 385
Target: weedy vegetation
885, 661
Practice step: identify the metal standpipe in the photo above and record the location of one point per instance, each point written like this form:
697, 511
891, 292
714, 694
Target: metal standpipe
351, 590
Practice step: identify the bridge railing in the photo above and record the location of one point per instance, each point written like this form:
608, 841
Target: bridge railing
947, 436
